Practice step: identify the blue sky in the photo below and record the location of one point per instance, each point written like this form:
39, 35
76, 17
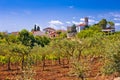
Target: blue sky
19, 14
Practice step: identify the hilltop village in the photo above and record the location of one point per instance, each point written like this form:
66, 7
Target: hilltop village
71, 30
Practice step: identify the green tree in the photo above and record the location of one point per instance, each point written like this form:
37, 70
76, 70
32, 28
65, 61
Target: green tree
38, 28
7, 52
23, 52
112, 55
12, 38
42, 40
111, 24
68, 49
103, 23
2, 35
43, 52
26, 38
95, 28
57, 46
63, 35
90, 32
74, 28
8, 46
35, 27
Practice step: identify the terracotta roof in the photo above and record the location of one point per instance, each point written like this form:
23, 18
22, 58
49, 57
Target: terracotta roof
38, 33
49, 28
81, 25
15, 33
35, 31
52, 33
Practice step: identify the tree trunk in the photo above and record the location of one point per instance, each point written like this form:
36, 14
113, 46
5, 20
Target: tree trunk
9, 68
63, 63
22, 62
82, 78
36, 62
43, 63
68, 60
59, 61
79, 55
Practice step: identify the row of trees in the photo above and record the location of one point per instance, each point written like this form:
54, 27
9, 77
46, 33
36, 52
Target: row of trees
19, 46
36, 28
80, 52
106, 24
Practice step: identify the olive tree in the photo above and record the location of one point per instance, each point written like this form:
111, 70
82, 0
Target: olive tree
23, 52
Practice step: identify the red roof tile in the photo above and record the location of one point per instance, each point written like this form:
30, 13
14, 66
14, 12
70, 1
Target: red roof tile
81, 25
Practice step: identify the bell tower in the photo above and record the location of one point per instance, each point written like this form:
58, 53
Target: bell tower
86, 21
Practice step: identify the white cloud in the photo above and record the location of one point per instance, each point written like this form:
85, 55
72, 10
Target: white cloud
117, 15
63, 27
114, 14
55, 22
100, 16
52, 26
106, 15
117, 24
91, 17
116, 19
68, 22
74, 22
82, 19
92, 21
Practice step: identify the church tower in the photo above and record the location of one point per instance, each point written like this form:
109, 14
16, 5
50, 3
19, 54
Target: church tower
86, 21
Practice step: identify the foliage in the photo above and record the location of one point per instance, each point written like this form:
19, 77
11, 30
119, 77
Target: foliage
112, 57
90, 32
103, 23
89, 44
73, 29
79, 69
26, 38
2, 35
35, 27
111, 24
38, 28
7, 52
12, 38
61, 34
42, 40
23, 52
